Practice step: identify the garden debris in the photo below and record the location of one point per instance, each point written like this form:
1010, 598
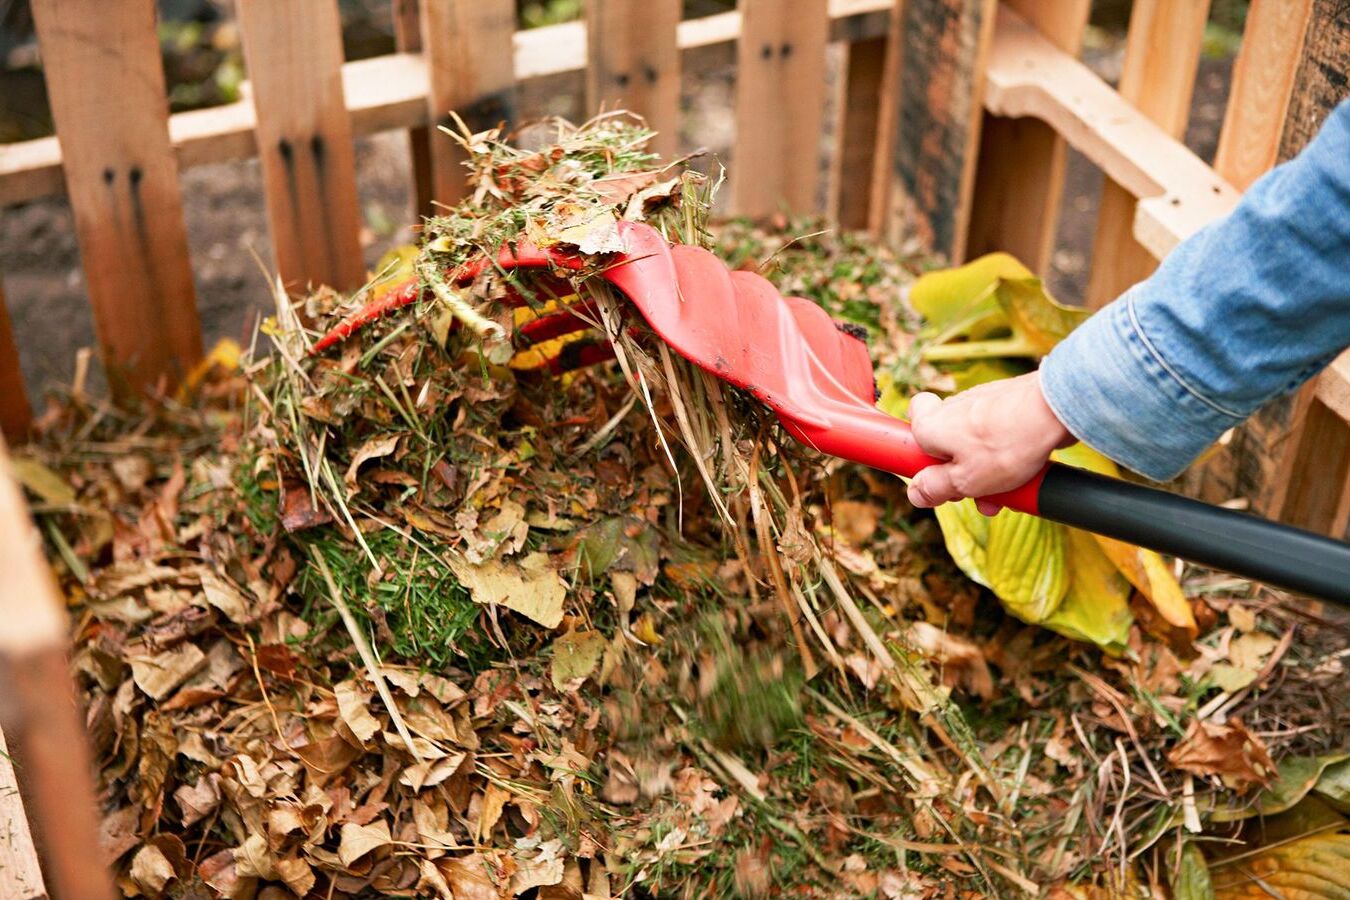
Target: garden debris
402, 619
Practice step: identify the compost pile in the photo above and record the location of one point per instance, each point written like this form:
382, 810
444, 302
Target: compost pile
421, 616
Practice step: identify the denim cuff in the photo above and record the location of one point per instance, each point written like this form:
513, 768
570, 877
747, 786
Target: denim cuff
1108, 384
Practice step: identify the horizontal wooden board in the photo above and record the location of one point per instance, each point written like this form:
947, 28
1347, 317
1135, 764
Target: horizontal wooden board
386, 93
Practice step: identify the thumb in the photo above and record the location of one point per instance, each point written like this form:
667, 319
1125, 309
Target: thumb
932, 487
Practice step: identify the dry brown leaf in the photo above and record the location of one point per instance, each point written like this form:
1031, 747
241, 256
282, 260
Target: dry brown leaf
354, 707
151, 870
469, 878
1229, 751
199, 800
356, 841
371, 449
159, 674
226, 597
855, 520
532, 588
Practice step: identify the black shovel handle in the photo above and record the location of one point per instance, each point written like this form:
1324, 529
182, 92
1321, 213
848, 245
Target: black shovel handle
1245, 545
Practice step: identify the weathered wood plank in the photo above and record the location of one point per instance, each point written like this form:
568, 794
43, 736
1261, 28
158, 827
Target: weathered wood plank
1161, 54
1020, 177
635, 64
780, 101
408, 39
15, 412
859, 131
20, 873
123, 184
1293, 458
936, 124
294, 56
38, 712
1263, 79
468, 49
390, 92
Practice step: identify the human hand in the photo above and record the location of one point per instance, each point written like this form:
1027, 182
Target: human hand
996, 436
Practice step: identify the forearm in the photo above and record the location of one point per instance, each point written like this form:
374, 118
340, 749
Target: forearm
1244, 311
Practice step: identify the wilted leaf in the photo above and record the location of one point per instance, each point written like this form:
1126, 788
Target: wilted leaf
1316, 867
225, 597
855, 520
961, 302
358, 840
1231, 678
1191, 880
532, 588
1096, 605
371, 449
41, 481
959, 656
575, 656
151, 870
1229, 751
1334, 784
1295, 777
354, 707
987, 296
199, 800
159, 674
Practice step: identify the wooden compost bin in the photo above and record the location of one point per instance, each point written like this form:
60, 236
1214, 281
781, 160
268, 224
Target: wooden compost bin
954, 118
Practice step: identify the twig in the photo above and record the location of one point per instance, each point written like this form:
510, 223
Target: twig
366, 654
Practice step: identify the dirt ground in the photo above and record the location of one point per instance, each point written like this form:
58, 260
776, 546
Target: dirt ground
227, 228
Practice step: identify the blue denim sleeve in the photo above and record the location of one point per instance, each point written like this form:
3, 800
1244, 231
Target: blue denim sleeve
1245, 310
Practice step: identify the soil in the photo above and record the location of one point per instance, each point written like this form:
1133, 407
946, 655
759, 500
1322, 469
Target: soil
227, 228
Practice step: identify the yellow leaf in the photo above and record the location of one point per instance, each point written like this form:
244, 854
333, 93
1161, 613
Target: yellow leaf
225, 354
575, 656
1145, 569
645, 630
396, 266
1096, 604
961, 300
41, 481
1025, 563
1317, 866
533, 588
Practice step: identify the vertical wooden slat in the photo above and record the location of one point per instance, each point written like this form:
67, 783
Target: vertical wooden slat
888, 107
20, 874
780, 101
1020, 178
15, 412
859, 131
1293, 458
1161, 54
470, 60
1263, 77
38, 711
106, 88
408, 39
1315, 492
634, 64
936, 122
294, 54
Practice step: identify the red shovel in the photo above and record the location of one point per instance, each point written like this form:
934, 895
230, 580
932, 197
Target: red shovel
817, 379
